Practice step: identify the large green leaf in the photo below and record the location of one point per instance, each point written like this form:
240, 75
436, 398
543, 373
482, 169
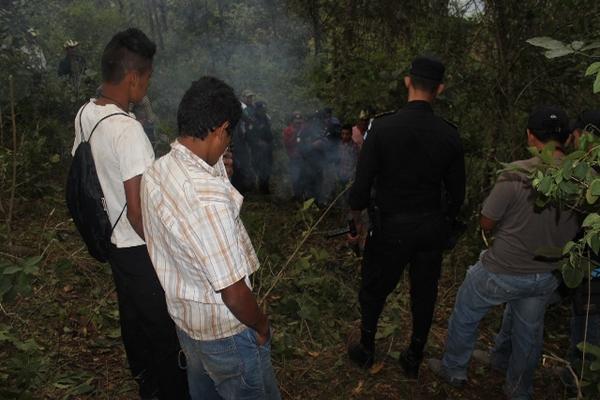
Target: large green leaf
572, 276
580, 170
597, 83
591, 219
593, 240
13, 269
546, 43
589, 197
558, 53
595, 187
590, 349
593, 69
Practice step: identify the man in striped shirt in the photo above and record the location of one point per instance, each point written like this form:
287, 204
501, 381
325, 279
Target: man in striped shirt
203, 255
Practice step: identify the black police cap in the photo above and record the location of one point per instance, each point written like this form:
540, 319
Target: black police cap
548, 119
428, 67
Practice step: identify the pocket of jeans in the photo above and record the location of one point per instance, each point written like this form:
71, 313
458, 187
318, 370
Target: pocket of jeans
495, 285
221, 359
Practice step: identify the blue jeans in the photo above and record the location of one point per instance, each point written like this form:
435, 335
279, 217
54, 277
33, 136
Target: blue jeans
234, 367
503, 342
527, 296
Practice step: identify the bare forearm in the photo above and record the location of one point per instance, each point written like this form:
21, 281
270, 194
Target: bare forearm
242, 304
134, 204
135, 219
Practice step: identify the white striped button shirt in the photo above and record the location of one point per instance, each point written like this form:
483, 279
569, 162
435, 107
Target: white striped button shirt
196, 240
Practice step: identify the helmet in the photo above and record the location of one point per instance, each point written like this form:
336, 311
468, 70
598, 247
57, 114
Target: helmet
70, 43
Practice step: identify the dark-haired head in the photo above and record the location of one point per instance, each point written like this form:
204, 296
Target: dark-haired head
425, 85
129, 50
207, 105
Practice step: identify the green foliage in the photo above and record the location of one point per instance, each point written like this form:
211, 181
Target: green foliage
591, 370
556, 48
23, 365
573, 183
17, 278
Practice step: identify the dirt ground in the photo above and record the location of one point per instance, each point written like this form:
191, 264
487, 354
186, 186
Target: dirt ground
62, 340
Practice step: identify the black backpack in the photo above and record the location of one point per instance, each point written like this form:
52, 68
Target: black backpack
85, 198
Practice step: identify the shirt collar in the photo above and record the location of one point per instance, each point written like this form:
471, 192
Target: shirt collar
184, 154
419, 105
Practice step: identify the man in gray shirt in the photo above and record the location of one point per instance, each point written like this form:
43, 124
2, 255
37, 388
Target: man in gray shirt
511, 271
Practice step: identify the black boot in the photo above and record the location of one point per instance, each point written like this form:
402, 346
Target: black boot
410, 360
363, 352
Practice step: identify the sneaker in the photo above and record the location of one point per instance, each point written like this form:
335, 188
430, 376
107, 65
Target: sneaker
410, 364
361, 356
435, 366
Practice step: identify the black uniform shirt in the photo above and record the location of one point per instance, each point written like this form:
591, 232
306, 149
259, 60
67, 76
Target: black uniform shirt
409, 156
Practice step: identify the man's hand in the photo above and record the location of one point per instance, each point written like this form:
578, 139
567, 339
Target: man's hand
228, 161
353, 240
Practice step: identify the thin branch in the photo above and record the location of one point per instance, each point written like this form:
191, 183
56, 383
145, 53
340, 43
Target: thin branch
299, 246
11, 202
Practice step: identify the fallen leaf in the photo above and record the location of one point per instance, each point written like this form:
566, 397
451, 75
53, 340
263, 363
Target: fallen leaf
376, 368
358, 389
314, 353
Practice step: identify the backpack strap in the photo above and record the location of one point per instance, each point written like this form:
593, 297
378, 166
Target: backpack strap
90, 138
80, 124
118, 219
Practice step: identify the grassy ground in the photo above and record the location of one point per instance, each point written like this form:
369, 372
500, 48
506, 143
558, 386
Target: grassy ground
59, 336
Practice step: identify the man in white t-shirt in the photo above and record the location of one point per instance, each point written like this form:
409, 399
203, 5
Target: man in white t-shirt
122, 152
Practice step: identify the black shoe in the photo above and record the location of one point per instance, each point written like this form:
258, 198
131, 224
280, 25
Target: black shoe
410, 364
361, 356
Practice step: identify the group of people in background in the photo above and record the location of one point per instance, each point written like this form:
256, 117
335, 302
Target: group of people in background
181, 257
322, 153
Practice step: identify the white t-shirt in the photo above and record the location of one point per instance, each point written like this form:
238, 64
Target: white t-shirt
121, 151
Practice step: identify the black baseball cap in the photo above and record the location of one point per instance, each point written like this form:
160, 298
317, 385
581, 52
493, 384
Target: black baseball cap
549, 121
588, 120
428, 67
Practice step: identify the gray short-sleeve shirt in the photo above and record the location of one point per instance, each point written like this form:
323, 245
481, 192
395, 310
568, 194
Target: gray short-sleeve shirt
522, 229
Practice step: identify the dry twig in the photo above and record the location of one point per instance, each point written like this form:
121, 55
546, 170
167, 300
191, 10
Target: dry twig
11, 201
299, 246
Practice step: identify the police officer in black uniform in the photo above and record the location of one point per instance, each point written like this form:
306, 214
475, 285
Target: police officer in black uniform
409, 158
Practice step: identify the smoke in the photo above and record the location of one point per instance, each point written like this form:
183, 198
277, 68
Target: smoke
255, 45
250, 44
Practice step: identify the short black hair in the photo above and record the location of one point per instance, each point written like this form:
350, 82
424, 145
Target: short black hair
347, 127
424, 84
127, 50
205, 106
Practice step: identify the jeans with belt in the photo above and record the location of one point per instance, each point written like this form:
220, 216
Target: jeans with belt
527, 296
231, 368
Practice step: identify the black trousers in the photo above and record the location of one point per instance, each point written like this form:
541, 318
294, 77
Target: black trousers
414, 240
148, 332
